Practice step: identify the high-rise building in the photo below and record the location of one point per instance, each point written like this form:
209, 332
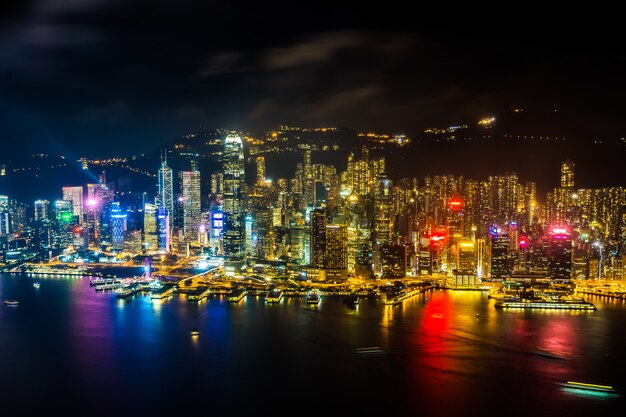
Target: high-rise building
382, 210
336, 256
42, 208
317, 245
75, 195
165, 198
234, 213
560, 254
217, 183
260, 170
501, 264
150, 230
191, 200
394, 260
118, 228
163, 230
5, 218
567, 174
308, 180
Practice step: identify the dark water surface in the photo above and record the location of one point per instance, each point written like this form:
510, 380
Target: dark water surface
68, 348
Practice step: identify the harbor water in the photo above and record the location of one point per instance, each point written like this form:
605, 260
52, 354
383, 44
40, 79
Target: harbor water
444, 353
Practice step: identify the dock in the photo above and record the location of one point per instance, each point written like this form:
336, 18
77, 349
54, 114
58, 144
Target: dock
199, 294
404, 295
162, 293
236, 295
274, 296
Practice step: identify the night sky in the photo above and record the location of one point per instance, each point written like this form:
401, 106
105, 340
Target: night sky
104, 77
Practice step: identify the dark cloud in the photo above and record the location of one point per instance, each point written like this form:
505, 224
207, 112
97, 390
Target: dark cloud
132, 73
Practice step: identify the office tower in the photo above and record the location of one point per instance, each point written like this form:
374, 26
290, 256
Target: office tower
382, 210
75, 195
560, 254
308, 180
118, 228
466, 256
5, 218
260, 170
191, 200
234, 181
42, 208
163, 230
567, 174
317, 245
336, 256
150, 229
165, 197
394, 260
81, 238
217, 183
480, 257
501, 265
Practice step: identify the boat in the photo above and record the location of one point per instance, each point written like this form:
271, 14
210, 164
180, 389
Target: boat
274, 296
313, 297
236, 295
195, 332
549, 305
589, 387
11, 302
370, 349
36, 285
546, 353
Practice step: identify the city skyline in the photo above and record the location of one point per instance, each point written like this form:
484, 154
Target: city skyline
311, 208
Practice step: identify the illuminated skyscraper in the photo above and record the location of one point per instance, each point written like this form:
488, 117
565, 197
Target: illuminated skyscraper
567, 174
217, 183
560, 255
42, 208
336, 247
165, 198
5, 219
382, 210
501, 264
308, 180
191, 201
318, 238
118, 228
75, 195
163, 230
150, 230
234, 181
260, 170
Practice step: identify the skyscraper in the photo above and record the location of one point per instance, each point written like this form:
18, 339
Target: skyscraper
118, 228
567, 174
234, 180
5, 219
560, 255
165, 198
308, 180
260, 170
42, 208
75, 195
318, 238
150, 231
382, 210
501, 265
191, 200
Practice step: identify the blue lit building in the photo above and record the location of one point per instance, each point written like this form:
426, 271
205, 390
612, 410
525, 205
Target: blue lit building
118, 229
